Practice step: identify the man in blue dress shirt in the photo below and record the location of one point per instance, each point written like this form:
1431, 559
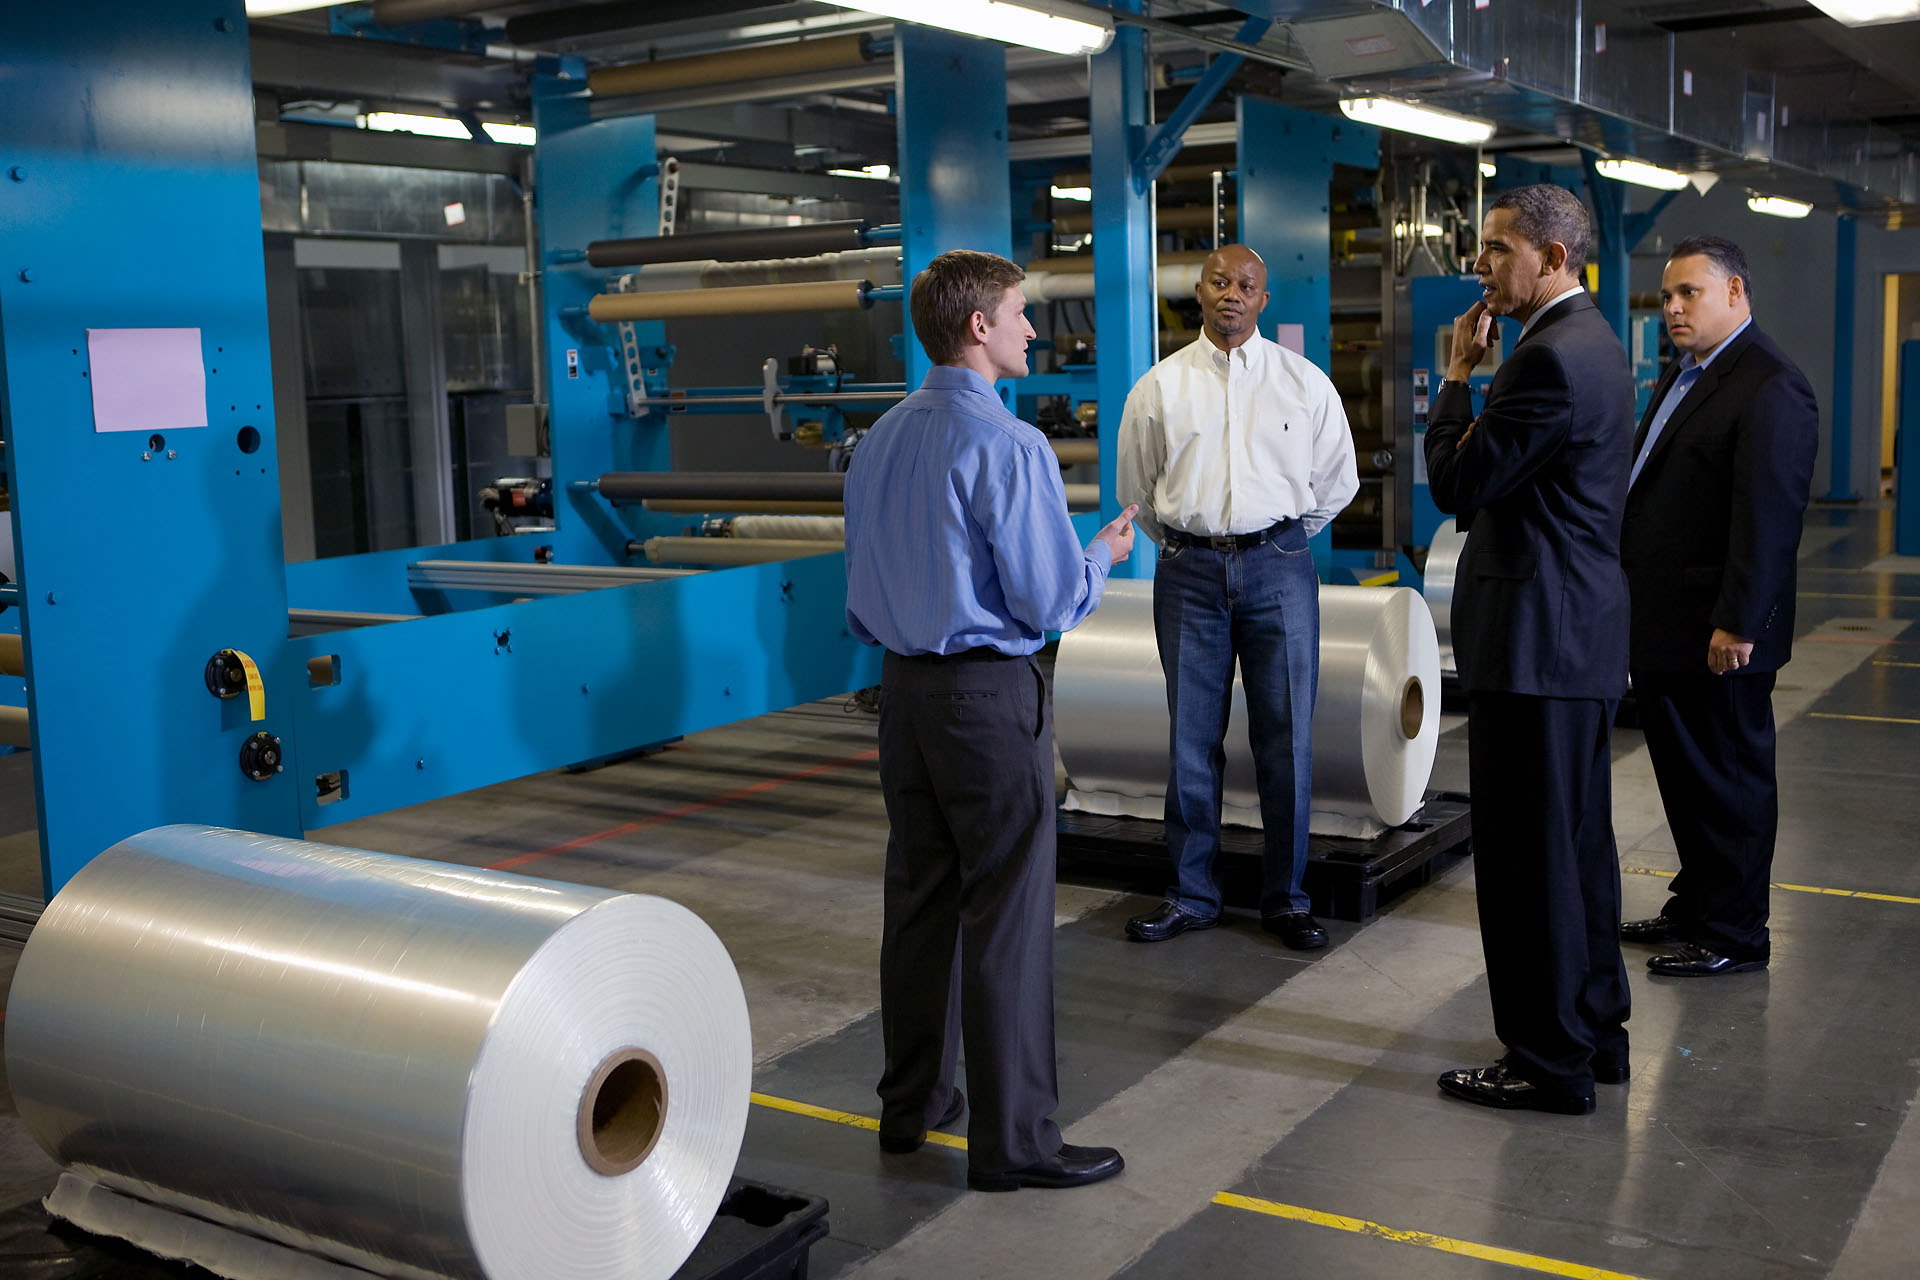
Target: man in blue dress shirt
960, 558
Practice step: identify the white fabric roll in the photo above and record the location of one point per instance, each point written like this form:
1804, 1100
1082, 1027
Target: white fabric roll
811, 528
411, 1068
1375, 726
1443, 563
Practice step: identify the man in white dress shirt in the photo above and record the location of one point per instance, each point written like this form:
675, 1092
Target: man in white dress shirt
1237, 450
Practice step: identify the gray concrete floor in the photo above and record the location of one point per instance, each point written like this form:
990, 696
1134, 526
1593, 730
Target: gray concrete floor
1277, 1111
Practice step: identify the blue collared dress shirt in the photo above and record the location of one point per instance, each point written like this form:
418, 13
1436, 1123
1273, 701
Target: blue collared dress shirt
957, 528
1689, 374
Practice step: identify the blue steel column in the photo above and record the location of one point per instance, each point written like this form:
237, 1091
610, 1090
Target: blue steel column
127, 137
593, 180
1840, 441
1286, 166
1906, 458
1124, 295
951, 100
1610, 245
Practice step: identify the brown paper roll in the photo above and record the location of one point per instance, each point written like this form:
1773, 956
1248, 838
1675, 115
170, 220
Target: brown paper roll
764, 299
704, 69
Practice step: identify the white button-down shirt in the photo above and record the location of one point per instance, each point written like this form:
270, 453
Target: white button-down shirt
1219, 442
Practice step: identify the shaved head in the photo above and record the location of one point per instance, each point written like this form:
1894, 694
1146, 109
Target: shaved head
1232, 293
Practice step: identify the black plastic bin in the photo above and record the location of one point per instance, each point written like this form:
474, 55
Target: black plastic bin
760, 1233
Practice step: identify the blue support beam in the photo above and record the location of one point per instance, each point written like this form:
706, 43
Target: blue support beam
1123, 253
1616, 232
1168, 137
1286, 168
1840, 442
951, 96
142, 552
1906, 457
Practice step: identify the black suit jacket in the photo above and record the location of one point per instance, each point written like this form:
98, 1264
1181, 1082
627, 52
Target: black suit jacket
1712, 528
1540, 602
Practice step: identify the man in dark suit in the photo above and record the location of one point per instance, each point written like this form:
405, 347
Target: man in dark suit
1540, 636
1723, 464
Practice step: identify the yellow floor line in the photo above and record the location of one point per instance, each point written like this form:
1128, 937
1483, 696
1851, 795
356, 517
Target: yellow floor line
1794, 888
1835, 715
1882, 662
846, 1118
1381, 580
1420, 1239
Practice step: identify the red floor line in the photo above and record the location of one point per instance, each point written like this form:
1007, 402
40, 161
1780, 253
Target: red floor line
628, 828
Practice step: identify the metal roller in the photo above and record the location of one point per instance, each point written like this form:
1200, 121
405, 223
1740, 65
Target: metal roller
765, 299
827, 54
734, 551
13, 660
1376, 721
1175, 281
281, 1058
731, 246
1072, 452
881, 265
793, 528
1443, 563
1179, 218
706, 506
16, 727
1082, 263
1357, 372
721, 487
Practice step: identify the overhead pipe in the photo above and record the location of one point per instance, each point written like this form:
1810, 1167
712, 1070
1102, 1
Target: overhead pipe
833, 53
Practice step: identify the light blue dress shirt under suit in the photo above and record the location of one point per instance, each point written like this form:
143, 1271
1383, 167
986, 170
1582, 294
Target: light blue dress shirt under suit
957, 528
1689, 374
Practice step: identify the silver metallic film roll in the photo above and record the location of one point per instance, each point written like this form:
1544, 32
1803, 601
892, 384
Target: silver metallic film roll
1375, 726
304, 1052
1443, 562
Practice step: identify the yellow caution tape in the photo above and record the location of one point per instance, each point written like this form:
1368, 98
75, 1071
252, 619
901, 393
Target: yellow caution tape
256, 688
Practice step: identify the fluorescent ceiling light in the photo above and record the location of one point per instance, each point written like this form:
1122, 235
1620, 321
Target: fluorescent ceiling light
1779, 206
998, 20
268, 8
398, 122
519, 135
1073, 193
1428, 122
881, 171
1488, 169
1867, 13
1641, 174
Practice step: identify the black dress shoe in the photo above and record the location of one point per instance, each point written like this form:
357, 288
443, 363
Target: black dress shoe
900, 1144
1652, 929
1495, 1086
1690, 960
1611, 1072
1297, 929
1169, 920
1071, 1167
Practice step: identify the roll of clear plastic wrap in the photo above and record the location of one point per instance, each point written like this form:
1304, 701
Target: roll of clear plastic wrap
278, 1058
1376, 719
1443, 562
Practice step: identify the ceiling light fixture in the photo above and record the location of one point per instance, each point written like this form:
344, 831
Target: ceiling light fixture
1779, 206
518, 135
271, 8
1083, 194
1867, 13
1428, 122
1489, 169
1641, 174
1018, 24
400, 122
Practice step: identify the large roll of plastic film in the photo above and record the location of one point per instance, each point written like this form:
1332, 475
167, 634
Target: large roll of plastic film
1443, 564
1375, 725
412, 1068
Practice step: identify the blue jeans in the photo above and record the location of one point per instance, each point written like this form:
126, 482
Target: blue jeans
1260, 606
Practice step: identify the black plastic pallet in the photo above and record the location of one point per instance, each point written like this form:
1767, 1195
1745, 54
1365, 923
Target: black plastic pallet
1347, 879
759, 1233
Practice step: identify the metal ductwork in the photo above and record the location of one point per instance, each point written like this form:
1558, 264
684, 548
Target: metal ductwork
1594, 75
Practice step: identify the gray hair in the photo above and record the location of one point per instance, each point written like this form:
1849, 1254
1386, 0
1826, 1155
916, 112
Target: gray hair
1546, 214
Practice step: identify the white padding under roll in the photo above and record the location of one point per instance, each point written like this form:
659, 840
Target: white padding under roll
1375, 726
1443, 562
411, 1068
